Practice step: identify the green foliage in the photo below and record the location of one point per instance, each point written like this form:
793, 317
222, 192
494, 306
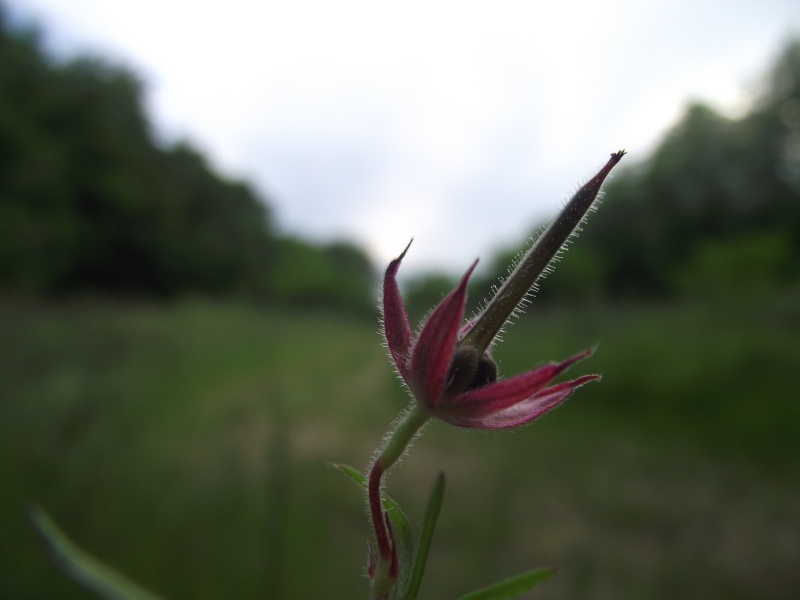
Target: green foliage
170, 440
752, 265
122, 411
88, 201
339, 276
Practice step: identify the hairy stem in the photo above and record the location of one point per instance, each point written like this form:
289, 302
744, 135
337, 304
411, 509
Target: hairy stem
396, 444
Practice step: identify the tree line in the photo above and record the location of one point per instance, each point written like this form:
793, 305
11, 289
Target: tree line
89, 202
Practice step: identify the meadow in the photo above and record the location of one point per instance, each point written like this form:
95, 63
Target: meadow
187, 444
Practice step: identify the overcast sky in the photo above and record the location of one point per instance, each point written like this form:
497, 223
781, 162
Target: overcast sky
459, 123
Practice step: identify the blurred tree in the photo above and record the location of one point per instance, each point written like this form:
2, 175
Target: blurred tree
339, 276
89, 202
212, 235
356, 287
750, 264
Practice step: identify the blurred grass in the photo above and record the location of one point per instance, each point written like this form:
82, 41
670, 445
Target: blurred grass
187, 446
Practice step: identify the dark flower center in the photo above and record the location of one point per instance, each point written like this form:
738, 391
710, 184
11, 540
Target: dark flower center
469, 371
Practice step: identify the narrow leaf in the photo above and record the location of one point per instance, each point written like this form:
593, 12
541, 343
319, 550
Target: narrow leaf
513, 587
358, 477
425, 538
351, 472
82, 567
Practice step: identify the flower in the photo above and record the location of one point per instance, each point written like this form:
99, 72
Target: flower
451, 375
456, 383
447, 367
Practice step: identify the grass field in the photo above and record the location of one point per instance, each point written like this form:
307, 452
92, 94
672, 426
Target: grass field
187, 445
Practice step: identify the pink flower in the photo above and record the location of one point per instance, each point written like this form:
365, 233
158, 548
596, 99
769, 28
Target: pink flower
450, 373
447, 367
458, 383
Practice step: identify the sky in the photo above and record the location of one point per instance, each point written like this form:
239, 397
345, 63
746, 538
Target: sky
461, 124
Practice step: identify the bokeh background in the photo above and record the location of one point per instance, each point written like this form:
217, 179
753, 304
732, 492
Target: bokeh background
195, 206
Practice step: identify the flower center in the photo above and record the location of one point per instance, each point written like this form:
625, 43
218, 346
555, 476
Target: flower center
469, 371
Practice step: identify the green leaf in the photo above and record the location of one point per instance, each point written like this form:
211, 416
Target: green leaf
402, 528
425, 538
351, 472
513, 587
83, 568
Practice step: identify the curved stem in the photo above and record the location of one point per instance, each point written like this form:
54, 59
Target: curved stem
396, 444
376, 509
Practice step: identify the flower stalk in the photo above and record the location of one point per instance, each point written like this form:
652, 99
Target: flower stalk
448, 369
397, 443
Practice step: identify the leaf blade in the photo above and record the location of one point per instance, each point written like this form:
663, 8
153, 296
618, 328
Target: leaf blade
351, 472
426, 536
512, 587
82, 567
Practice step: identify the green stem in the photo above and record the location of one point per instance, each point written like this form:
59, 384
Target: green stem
402, 435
